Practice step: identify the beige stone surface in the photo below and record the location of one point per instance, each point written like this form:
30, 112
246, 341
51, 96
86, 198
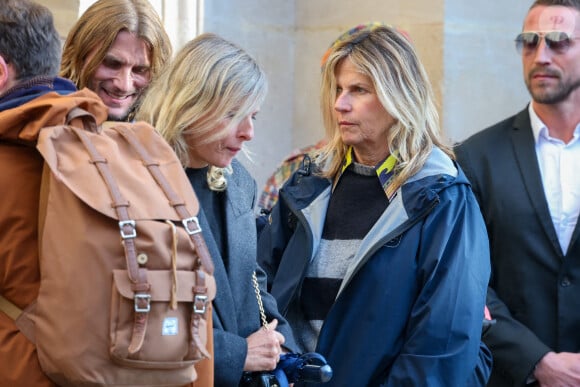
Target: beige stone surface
65, 13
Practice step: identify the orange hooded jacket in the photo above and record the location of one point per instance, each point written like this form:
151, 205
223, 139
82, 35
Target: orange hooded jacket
20, 175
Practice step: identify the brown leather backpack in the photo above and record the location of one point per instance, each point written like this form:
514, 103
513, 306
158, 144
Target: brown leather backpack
126, 278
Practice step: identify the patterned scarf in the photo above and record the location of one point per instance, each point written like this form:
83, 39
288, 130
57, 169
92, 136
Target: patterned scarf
385, 169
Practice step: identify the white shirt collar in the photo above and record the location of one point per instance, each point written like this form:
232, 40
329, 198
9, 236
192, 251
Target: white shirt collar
539, 129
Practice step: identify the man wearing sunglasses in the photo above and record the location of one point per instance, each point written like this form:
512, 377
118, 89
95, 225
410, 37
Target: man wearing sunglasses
524, 172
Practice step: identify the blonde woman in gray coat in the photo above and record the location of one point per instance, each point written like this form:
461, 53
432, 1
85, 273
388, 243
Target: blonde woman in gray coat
204, 104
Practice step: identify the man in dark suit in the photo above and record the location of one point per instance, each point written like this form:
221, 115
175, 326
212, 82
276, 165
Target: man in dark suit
524, 172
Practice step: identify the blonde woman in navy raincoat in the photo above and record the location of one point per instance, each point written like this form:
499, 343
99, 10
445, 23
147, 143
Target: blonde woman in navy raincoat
377, 252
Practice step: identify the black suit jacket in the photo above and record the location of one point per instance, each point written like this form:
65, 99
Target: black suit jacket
534, 290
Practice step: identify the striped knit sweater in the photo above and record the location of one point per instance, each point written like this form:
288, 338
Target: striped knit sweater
357, 201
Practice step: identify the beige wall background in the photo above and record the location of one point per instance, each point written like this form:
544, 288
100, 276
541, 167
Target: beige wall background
466, 46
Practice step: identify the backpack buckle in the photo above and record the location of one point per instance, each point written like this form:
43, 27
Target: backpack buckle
132, 233
199, 304
139, 299
187, 222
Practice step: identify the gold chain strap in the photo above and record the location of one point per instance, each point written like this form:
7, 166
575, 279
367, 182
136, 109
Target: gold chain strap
260, 304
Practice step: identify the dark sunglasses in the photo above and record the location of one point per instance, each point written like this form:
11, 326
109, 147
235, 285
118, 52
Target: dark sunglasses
557, 41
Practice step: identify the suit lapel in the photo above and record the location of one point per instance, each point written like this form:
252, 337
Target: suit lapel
575, 234
524, 148
239, 237
242, 243
223, 303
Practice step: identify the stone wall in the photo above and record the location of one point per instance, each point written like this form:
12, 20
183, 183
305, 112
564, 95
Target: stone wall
65, 13
482, 81
466, 46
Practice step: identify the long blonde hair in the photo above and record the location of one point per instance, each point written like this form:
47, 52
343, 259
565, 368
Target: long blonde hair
97, 29
387, 57
210, 79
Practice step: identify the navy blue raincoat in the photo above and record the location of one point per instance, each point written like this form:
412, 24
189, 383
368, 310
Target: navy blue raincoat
410, 308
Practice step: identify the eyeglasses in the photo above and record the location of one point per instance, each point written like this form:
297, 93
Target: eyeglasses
557, 41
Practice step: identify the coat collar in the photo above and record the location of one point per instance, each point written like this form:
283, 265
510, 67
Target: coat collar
34, 88
239, 242
223, 303
48, 109
385, 170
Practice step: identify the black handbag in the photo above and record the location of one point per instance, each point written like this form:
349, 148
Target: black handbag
259, 379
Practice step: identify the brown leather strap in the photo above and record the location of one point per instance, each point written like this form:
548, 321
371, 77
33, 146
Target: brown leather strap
138, 276
197, 348
142, 291
126, 225
88, 120
22, 318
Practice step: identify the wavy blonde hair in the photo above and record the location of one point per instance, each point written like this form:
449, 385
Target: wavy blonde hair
388, 58
209, 81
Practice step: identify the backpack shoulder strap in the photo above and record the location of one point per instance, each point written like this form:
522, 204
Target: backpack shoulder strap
9, 308
88, 121
22, 318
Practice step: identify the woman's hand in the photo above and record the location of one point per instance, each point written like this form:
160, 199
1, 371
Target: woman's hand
264, 348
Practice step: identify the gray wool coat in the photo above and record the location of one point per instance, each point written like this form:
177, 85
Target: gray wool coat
235, 308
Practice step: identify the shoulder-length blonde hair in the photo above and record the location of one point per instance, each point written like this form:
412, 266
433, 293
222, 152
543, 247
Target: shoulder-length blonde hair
210, 80
387, 57
97, 29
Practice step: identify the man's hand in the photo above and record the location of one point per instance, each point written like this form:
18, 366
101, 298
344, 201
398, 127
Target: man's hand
558, 370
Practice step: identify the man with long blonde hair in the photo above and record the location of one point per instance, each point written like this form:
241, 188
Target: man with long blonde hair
115, 49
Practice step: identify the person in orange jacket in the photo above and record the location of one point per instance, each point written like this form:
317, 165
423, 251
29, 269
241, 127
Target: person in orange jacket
31, 97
